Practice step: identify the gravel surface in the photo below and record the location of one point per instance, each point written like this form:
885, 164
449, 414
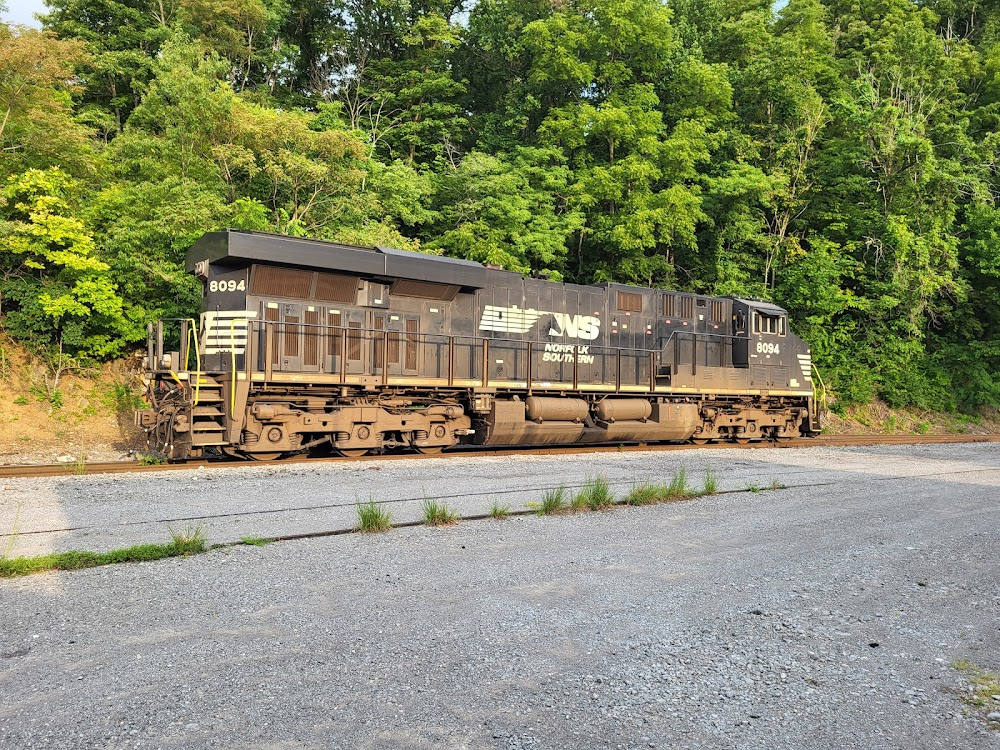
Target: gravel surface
826, 615
109, 511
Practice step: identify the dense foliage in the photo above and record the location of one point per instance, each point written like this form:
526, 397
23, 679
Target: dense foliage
836, 157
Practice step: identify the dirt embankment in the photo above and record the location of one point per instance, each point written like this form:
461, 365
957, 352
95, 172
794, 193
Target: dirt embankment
70, 413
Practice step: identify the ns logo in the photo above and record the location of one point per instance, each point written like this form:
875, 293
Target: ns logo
516, 320
585, 327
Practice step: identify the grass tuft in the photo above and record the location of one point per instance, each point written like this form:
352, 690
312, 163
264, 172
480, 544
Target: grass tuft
645, 493
188, 541
595, 495
553, 501
678, 489
372, 519
983, 686
149, 459
498, 511
438, 514
711, 483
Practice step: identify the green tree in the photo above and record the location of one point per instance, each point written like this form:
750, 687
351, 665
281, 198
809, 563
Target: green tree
37, 126
511, 212
54, 291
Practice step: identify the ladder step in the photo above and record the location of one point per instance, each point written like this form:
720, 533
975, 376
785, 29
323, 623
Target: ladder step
207, 427
196, 441
207, 411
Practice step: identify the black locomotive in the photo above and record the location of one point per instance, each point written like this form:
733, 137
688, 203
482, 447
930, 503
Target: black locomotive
308, 345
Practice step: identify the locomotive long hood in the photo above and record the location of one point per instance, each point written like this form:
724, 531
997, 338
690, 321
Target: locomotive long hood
237, 248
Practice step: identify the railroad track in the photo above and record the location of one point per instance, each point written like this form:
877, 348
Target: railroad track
128, 467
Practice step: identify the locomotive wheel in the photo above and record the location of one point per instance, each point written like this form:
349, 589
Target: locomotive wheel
264, 456
352, 452
701, 441
428, 450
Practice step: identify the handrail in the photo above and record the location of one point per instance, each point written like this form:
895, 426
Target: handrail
193, 333
256, 323
379, 339
699, 333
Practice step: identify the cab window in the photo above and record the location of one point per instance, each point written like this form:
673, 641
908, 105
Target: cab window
772, 324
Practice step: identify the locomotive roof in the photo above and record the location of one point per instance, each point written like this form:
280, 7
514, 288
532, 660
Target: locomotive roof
767, 307
235, 247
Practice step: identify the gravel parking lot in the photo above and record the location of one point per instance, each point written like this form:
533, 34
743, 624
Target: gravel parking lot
827, 615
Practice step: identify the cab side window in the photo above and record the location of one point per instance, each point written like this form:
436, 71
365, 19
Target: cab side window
772, 324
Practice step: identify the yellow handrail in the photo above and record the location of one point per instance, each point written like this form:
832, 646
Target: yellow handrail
193, 335
822, 385
232, 358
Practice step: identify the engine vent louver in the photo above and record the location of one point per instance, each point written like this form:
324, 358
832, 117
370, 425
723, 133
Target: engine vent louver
332, 287
687, 308
629, 301
669, 305
269, 281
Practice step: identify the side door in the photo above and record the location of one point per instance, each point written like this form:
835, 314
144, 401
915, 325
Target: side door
283, 320
395, 338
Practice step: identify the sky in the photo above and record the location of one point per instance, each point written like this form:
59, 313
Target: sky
22, 11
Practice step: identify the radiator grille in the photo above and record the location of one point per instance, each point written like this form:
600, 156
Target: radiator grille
332, 287
268, 281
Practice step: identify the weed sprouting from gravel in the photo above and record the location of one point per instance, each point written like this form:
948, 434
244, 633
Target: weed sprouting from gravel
498, 511
149, 459
256, 541
191, 541
645, 493
752, 488
188, 541
595, 495
372, 519
438, 514
983, 687
553, 501
711, 485
678, 489
776, 485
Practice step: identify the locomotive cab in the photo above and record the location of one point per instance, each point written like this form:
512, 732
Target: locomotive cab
759, 329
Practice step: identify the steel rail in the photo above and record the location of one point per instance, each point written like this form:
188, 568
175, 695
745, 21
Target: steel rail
127, 467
